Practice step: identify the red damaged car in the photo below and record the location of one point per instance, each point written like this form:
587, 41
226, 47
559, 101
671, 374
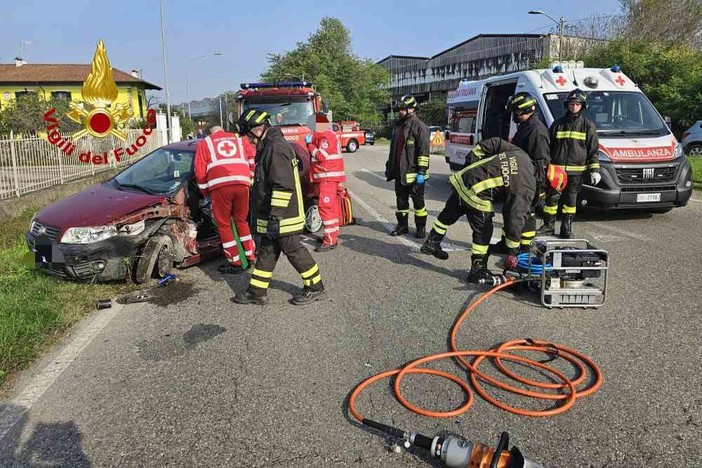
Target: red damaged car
144, 221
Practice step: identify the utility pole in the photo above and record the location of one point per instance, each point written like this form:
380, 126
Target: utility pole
165, 77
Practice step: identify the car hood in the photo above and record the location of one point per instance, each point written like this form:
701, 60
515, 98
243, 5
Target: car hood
95, 206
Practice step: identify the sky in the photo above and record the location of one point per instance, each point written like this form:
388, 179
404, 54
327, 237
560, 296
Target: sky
244, 33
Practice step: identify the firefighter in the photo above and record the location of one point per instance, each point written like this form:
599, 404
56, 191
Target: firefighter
224, 168
279, 212
532, 138
326, 173
574, 147
408, 166
503, 173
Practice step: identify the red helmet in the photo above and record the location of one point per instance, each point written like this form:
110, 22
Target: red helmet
557, 177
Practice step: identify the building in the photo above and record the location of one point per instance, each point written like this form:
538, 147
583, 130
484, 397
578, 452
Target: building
479, 57
64, 81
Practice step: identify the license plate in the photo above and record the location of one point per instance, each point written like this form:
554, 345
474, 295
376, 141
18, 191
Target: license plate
648, 197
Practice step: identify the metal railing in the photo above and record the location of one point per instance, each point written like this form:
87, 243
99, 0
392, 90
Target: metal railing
31, 163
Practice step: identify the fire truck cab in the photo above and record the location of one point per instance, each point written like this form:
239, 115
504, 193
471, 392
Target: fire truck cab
642, 163
350, 134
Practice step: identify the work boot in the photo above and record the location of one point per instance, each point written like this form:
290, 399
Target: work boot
478, 269
499, 248
567, 227
402, 225
249, 297
432, 246
549, 226
229, 269
421, 222
325, 247
310, 295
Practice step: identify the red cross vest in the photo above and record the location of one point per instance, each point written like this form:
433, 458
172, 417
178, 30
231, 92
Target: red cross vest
327, 162
224, 159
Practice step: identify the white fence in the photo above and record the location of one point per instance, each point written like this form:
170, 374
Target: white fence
28, 164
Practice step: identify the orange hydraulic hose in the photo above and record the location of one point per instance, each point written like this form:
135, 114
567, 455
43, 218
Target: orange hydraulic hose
498, 354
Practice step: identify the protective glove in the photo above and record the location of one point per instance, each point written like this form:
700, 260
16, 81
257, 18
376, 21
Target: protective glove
308, 138
595, 178
511, 262
273, 229
420, 179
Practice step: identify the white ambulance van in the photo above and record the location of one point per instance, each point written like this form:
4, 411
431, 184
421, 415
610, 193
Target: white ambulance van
642, 163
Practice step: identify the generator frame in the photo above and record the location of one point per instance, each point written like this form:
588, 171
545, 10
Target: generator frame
550, 251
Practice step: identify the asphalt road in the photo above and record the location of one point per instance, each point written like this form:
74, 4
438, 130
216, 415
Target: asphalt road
195, 380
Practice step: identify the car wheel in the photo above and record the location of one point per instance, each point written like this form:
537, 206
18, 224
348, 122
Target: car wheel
352, 146
371, 143
313, 221
694, 150
156, 257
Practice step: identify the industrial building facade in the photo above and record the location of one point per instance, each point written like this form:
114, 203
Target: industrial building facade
477, 58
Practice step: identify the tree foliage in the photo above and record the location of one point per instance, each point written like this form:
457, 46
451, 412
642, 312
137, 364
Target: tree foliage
25, 115
433, 112
350, 84
673, 23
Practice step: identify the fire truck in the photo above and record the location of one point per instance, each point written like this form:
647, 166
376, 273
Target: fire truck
350, 134
289, 104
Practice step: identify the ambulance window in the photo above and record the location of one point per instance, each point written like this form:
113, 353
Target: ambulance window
463, 120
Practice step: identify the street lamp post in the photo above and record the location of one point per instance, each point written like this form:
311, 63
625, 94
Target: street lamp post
165, 77
561, 29
187, 76
221, 119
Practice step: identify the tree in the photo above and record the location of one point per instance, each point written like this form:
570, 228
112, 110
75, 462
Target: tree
433, 112
661, 21
351, 85
25, 114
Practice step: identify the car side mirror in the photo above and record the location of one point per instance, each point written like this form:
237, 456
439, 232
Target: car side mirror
667, 121
325, 106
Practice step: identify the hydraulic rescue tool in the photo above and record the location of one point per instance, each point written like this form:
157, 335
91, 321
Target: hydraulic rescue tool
455, 452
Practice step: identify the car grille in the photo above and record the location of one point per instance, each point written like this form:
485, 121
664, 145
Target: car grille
86, 270
39, 229
641, 175
650, 188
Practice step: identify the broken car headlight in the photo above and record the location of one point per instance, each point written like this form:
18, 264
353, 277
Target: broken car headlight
88, 235
132, 229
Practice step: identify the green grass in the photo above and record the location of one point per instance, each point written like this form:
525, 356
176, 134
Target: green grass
696, 164
35, 309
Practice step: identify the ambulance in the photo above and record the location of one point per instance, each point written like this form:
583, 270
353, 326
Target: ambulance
642, 163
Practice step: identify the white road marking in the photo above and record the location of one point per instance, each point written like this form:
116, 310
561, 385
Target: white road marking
448, 247
377, 176
695, 200
623, 232
30, 395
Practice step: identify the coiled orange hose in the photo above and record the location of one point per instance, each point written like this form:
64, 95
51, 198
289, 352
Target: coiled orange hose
499, 354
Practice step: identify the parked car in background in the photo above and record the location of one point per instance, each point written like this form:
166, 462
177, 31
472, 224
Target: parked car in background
370, 137
692, 140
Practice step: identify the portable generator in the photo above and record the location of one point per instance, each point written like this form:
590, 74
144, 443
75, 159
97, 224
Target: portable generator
569, 273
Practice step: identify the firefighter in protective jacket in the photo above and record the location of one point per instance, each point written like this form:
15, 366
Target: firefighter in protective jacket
224, 165
326, 173
532, 138
575, 148
279, 212
408, 166
502, 173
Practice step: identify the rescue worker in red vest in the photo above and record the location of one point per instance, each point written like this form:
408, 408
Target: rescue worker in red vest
408, 166
532, 138
224, 168
279, 212
502, 173
326, 173
575, 148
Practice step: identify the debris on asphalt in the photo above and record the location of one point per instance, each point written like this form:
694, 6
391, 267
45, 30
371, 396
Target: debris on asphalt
166, 280
104, 304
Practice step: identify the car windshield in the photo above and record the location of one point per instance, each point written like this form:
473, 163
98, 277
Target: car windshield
160, 172
285, 113
615, 113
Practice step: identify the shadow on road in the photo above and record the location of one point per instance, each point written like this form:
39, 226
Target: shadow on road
49, 444
437, 187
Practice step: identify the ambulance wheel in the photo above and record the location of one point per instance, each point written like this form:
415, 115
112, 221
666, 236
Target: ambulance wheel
352, 146
156, 258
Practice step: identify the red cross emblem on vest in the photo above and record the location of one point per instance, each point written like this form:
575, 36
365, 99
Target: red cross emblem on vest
561, 81
226, 148
620, 81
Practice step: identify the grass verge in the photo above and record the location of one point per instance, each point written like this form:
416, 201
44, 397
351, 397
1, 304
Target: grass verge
35, 309
696, 164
